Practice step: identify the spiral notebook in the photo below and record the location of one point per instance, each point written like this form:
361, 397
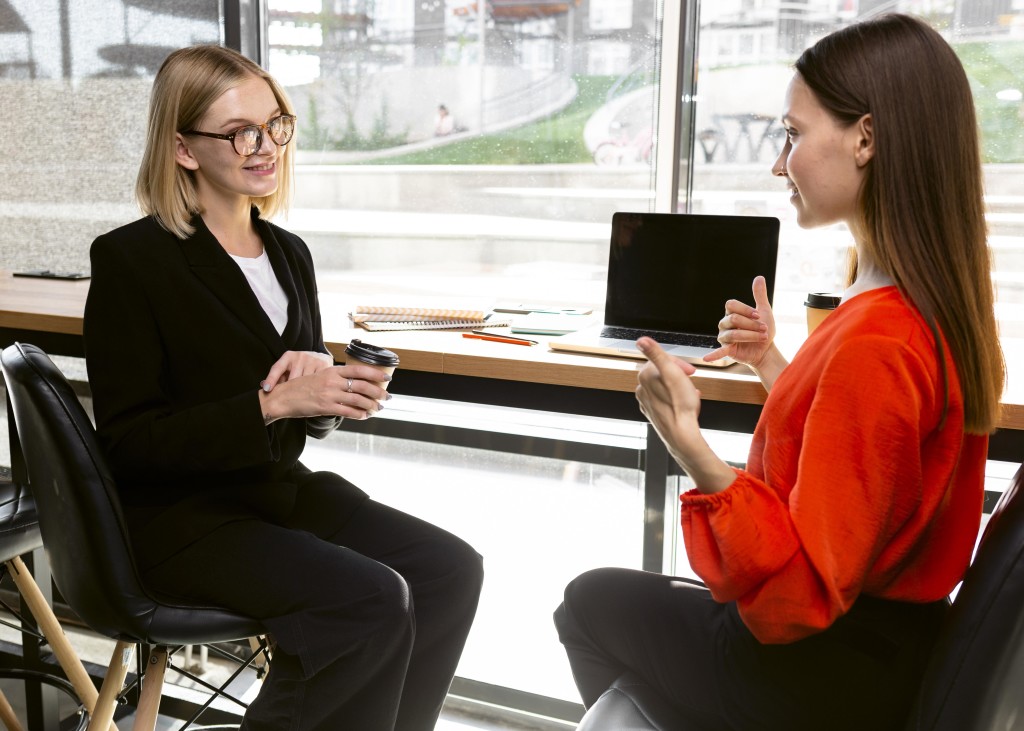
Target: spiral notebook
378, 318
432, 324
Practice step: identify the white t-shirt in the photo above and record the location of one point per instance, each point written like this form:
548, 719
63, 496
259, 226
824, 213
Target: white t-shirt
268, 290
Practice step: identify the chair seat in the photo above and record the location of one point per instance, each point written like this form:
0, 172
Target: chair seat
183, 624
19, 525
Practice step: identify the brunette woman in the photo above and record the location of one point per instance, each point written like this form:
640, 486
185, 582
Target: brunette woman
827, 561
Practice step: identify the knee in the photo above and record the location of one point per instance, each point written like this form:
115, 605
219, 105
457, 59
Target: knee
392, 604
459, 567
589, 586
585, 591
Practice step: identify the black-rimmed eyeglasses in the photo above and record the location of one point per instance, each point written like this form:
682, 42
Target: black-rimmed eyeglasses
248, 140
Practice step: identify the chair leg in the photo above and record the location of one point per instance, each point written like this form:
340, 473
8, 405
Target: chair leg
113, 681
260, 662
152, 689
54, 634
7, 717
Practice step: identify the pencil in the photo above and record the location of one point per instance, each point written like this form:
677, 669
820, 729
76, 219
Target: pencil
498, 338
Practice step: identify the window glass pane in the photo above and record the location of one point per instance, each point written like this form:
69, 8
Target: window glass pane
449, 154
746, 54
450, 157
77, 74
537, 521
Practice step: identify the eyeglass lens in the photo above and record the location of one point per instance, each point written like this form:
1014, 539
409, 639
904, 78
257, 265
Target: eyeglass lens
248, 140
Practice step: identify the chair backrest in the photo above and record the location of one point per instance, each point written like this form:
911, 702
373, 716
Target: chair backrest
975, 680
79, 512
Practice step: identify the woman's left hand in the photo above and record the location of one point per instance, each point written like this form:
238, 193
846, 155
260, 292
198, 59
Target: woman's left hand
671, 403
667, 397
295, 364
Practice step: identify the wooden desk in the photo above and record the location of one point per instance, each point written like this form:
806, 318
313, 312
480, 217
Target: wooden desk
48, 313
444, 365
44, 312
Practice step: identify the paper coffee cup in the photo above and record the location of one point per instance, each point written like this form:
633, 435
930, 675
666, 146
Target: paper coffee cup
373, 355
819, 306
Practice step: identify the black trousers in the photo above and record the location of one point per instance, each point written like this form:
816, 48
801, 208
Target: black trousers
369, 617
861, 673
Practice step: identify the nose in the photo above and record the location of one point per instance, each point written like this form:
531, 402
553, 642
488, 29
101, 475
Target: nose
779, 167
267, 145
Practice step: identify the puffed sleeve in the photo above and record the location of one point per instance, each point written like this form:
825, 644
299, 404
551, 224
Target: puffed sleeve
795, 559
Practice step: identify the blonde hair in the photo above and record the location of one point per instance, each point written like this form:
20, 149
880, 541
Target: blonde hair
188, 82
921, 205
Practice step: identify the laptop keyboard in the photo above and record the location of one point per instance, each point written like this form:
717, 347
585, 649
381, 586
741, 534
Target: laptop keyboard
668, 338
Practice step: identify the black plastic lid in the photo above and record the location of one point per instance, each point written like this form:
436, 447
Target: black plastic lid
372, 354
823, 300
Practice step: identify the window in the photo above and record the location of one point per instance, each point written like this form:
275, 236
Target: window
78, 75
549, 125
443, 151
738, 133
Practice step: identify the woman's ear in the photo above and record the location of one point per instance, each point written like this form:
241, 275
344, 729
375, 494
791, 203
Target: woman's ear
183, 155
865, 138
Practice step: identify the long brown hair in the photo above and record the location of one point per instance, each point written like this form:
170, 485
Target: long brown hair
188, 82
921, 205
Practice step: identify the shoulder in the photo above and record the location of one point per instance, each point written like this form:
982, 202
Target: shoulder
141, 232
140, 244
875, 336
886, 316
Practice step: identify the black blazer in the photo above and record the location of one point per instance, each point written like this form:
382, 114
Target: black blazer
176, 346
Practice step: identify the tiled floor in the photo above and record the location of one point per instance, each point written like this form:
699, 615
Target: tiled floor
94, 649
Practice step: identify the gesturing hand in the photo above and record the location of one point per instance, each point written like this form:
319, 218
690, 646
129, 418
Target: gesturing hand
746, 333
671, 403
667, 397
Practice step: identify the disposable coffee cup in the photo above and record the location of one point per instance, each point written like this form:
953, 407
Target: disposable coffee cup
373, 355
819, 306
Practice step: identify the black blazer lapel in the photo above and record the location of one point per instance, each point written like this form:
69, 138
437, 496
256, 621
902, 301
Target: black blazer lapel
293, 336
212, 265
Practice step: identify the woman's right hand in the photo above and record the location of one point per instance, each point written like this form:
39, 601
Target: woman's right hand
746, 333
349, 390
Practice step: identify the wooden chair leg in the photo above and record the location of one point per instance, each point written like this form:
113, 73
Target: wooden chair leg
66, 656
7, 717
152, 689
103, 715
261, 659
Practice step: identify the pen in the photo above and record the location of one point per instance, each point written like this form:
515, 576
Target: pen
477, 335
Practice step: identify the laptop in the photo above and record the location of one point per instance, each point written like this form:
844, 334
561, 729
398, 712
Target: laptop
669, 276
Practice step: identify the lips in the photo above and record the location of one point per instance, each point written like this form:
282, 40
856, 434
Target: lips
262, 168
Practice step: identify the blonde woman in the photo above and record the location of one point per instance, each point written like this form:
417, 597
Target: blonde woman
208, 370
827, 561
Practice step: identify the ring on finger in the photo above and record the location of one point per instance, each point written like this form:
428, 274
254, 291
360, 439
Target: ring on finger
349, 389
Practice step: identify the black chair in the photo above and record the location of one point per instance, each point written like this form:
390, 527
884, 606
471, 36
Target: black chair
88, 548
975, 678
19, 535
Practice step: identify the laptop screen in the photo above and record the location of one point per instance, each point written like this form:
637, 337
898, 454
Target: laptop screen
674, 272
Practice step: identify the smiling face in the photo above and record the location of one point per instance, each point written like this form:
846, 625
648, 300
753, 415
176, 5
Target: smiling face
823, 161
221, 174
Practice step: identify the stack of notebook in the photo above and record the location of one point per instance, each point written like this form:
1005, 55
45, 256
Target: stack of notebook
377, 318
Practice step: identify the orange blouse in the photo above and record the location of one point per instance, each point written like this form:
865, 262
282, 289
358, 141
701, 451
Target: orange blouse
855, 482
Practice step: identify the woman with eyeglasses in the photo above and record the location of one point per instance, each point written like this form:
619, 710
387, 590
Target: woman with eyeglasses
208, 370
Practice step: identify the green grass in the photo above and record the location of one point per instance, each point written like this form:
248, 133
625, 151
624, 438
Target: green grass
992, 67
557, 139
